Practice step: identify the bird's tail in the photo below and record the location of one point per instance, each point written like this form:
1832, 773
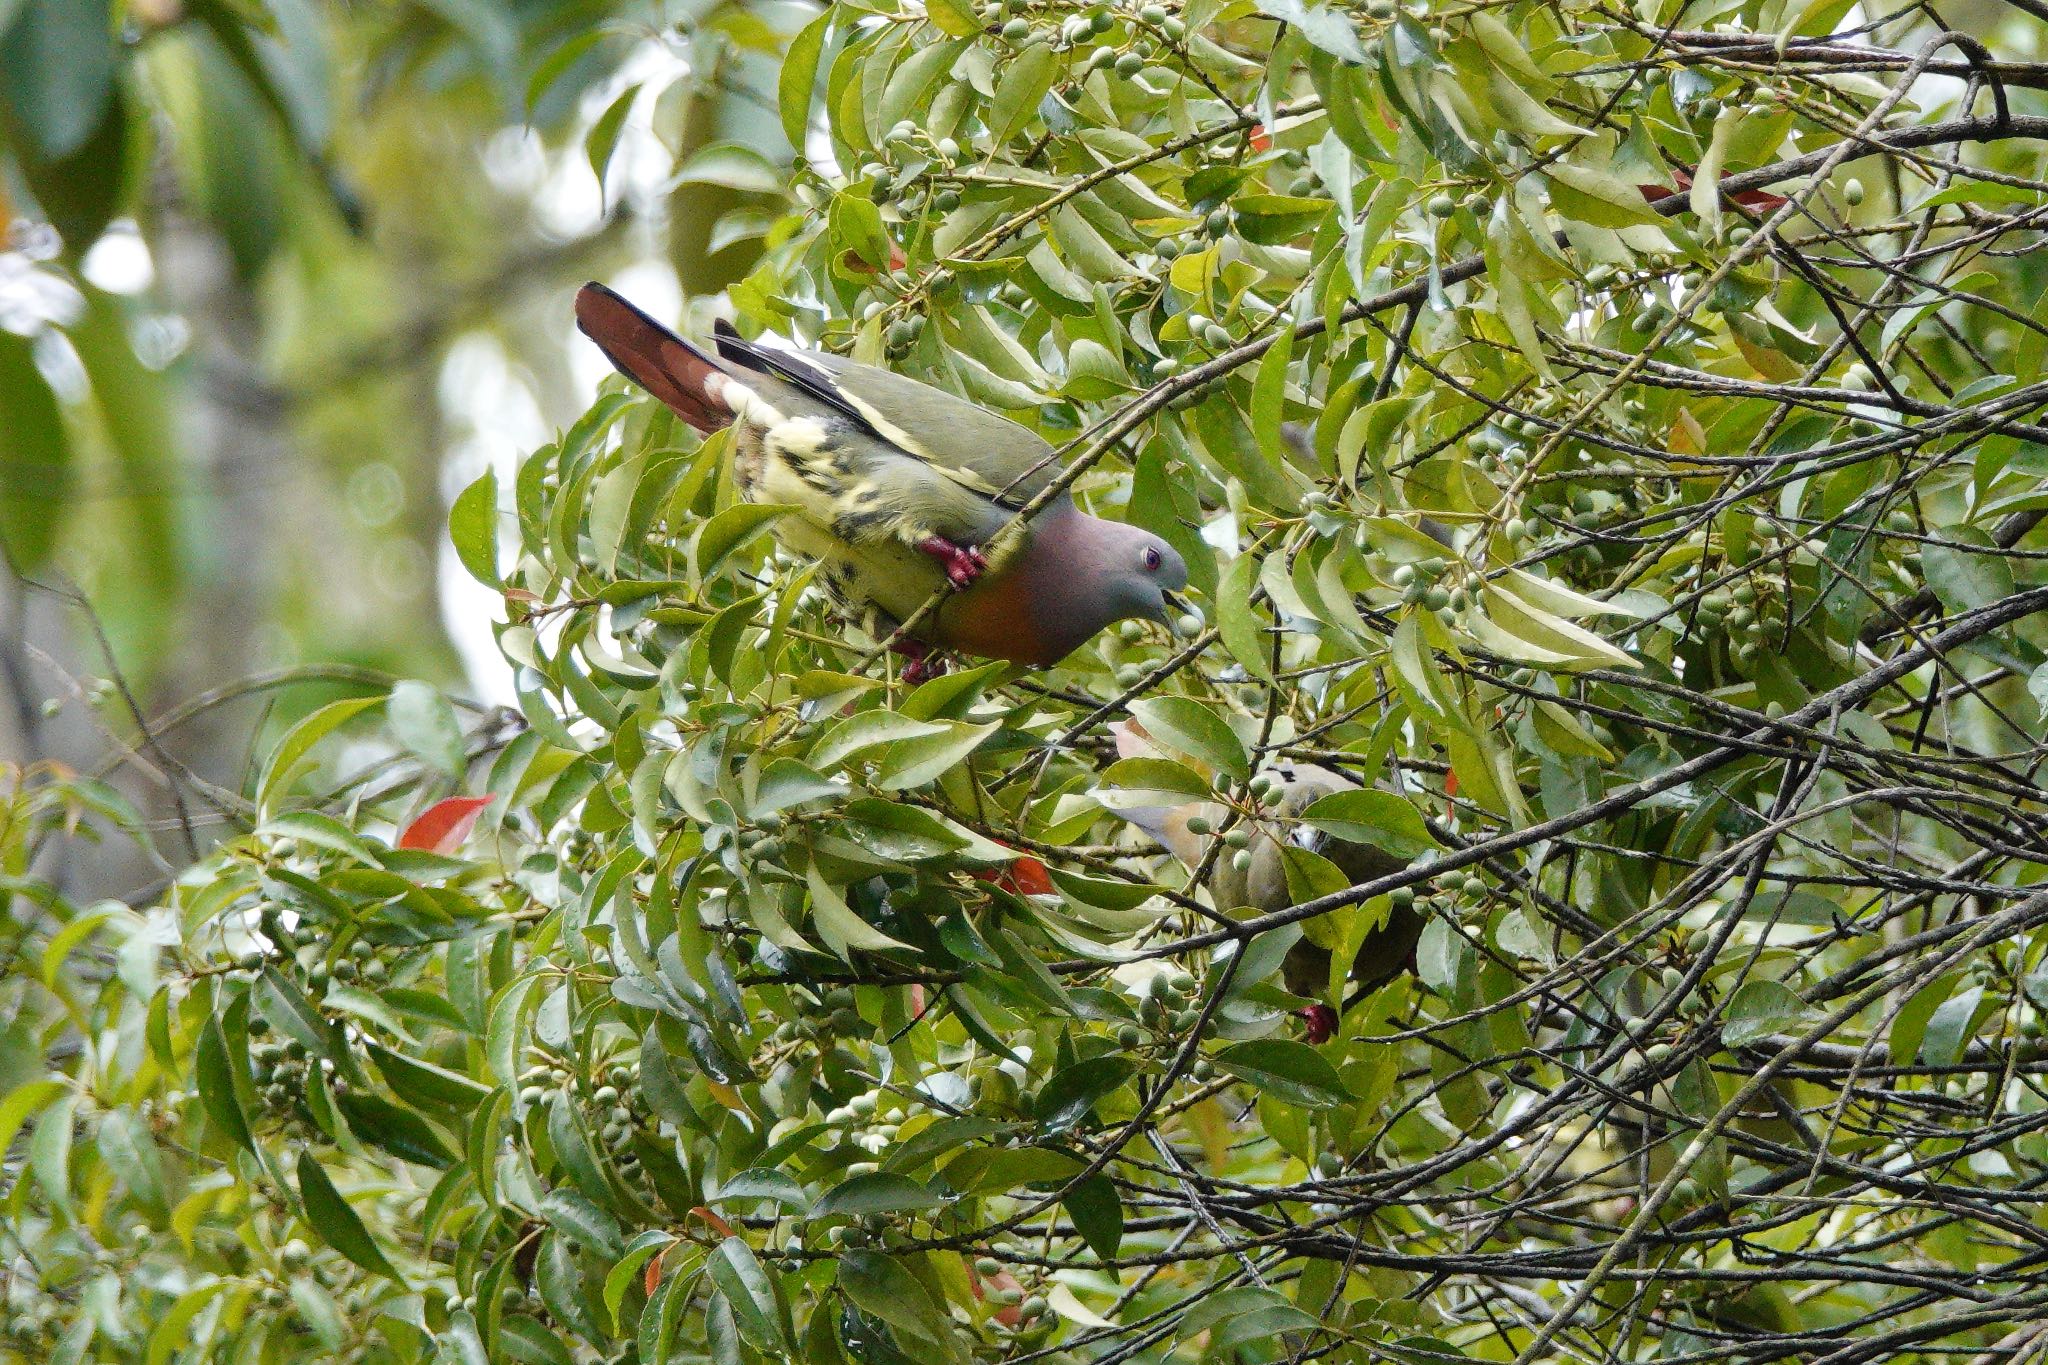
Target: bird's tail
655, 358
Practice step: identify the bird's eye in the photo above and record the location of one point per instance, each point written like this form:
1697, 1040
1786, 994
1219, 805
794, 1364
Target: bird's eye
1152, 560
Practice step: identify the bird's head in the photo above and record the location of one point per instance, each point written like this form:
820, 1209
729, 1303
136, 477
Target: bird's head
1138, 570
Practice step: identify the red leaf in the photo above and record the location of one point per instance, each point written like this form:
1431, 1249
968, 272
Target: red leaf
443, 826
1025, 876
1009, 1314
723, 1228
1750, 199
1259, 138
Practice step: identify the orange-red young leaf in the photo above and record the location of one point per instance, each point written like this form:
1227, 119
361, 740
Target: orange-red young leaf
443, 826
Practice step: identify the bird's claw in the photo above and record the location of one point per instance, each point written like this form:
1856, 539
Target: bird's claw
963, 563
922, 662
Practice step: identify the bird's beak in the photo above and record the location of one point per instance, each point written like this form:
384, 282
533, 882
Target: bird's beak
1171, 605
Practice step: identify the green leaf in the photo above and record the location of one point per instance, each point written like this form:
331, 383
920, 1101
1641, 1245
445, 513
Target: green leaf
1269, 390
763, 1182
56, 73
955, 17
396, 1129
914, 762
1597, 196
1378, 819
81, 193
1142, 782
799, 78
1023, 84
1327, 28
49, 1153
1966, 569
473, 527
1098, 1214
328, 1214
867, 730
1757, 1009
36, 476
880, 1285
727, 532
587, 1224
736, 1271
855, 225
877, 1192
1186, 725
1950, 1028
1065, 1099
213, 1074
285, 1006
300, 739
557, 64
1287, 1070
603, 138
422, 1082
1237, 619
734, 166
425, 724
842, 929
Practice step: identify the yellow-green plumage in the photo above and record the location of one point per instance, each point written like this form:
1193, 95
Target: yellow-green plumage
897, 485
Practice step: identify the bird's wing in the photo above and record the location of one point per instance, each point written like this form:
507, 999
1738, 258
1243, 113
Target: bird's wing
659, 361
992, 455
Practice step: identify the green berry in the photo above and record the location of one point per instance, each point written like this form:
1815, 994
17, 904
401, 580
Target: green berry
1129, 64
1442, 206
1017, 30
1852, 192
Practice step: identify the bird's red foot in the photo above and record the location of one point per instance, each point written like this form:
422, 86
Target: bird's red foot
962, 563
1321, 1021
923, 662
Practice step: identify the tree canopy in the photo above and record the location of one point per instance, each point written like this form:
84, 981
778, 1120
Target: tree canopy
1609, 434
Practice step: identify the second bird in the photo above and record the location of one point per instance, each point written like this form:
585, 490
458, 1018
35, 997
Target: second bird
898, 486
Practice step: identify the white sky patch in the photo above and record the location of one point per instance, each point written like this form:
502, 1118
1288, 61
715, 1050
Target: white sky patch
119, 262
490, 403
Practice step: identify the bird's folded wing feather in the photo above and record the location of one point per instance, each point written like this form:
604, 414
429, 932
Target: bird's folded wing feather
992, 455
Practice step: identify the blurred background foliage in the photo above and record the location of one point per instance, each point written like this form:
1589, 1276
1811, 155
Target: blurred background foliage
278, 279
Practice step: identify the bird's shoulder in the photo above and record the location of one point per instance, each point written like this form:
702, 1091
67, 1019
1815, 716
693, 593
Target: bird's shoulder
992, 455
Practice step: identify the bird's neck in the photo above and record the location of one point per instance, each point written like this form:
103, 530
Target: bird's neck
1034, 606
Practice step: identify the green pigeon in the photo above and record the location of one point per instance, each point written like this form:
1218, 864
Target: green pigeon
1260, 885
898, 486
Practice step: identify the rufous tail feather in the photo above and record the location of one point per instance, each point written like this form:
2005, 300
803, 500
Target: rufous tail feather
655, 358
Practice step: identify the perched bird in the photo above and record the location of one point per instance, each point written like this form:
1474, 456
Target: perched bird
1261, 884
898, 487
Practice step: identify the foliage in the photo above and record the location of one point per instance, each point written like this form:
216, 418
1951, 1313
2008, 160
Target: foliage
1642, 501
